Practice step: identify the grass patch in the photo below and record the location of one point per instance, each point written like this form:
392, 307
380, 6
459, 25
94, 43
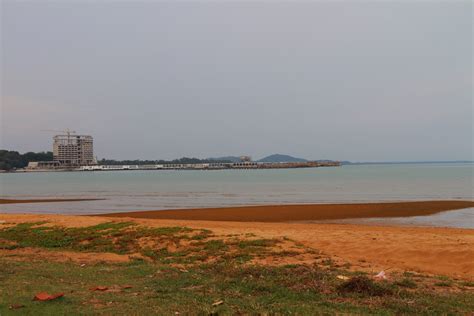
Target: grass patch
256, 243
163, 244
115, 237
179, 245
285, 253
443, 284
164, 290
407, 283
444, 281
91, 238
238, 257
215, 245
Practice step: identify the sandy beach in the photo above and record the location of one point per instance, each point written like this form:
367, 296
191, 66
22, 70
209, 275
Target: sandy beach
211, 264
440, 251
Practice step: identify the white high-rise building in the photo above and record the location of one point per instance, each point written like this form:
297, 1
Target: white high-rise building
73, 150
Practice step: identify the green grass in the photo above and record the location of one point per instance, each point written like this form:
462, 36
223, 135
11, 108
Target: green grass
444, 281
93, 238
444, 284
407, 283
243, 244
126, 237
216, 269
161, 289
215, 245
114, 237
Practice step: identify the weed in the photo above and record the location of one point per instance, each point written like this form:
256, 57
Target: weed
444, 281
365, 286
467, 283
215, 245
328, 262
284, 253
257, 243
406, 282
346, 265
443, 284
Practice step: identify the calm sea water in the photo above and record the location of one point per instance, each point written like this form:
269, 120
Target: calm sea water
147, 190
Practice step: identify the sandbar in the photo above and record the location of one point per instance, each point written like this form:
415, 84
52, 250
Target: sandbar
303, 212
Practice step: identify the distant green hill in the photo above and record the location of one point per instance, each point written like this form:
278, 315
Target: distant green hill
281, 158
271, 158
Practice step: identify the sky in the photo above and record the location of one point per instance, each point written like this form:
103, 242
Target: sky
344, 80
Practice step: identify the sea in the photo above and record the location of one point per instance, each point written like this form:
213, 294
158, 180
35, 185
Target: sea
172, 189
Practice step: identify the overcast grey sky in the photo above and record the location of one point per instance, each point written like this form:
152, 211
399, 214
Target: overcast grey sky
347, 80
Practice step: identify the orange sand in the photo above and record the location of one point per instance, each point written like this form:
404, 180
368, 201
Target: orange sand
440, 251
28, 254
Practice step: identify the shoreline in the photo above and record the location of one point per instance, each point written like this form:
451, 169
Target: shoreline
301, 212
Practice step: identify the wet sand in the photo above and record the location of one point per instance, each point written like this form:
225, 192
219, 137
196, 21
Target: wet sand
428, 250
310, 212
16, 201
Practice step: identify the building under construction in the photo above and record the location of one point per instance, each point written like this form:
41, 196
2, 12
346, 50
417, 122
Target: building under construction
73, 150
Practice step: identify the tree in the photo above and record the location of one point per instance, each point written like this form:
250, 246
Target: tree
12, 159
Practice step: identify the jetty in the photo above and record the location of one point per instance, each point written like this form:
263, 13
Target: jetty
213, 166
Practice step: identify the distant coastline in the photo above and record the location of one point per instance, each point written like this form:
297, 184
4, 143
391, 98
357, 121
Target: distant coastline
12, 161
253, 165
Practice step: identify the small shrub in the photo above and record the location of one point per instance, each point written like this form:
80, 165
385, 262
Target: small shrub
363, 285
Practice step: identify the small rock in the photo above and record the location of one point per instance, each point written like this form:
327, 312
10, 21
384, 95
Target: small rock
380, 276
217, 303
43, 296
99, 288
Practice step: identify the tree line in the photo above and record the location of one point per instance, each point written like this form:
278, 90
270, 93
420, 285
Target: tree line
184, 160
10, 160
